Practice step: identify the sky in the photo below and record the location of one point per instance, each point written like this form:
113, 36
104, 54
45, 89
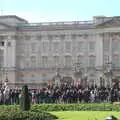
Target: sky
59, 10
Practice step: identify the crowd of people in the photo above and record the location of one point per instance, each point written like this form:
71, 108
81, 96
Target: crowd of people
63, 94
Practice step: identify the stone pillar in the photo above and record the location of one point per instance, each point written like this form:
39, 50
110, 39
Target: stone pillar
5, 54
110, 60
99, 56
99, 50
13, 53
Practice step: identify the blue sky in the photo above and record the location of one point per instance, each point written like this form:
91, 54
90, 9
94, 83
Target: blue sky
59, 10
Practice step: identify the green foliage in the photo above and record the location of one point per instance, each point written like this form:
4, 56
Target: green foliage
14, 113
25, 99
66, 107
76, 107
94, 111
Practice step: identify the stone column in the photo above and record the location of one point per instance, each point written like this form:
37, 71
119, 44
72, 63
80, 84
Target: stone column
5, 54
13, 45
99, 50
99, 56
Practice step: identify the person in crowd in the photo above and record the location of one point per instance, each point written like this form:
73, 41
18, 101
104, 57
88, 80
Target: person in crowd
62, 94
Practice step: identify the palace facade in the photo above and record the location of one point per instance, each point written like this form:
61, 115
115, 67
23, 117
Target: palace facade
81, 52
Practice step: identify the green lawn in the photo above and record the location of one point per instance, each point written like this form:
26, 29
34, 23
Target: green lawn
85, 115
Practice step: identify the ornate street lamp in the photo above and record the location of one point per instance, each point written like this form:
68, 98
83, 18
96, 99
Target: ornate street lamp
108, 72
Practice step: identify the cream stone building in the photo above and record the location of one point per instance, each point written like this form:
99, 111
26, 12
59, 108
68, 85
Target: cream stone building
84, 52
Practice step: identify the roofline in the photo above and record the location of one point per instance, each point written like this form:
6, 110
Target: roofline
13, 16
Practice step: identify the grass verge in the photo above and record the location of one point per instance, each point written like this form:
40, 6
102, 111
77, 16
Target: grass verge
85, 115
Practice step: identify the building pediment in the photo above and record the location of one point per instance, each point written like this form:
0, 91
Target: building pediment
112, 22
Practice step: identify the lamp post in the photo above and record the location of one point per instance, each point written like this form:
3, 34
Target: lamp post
108, 72
85, 80
5, 72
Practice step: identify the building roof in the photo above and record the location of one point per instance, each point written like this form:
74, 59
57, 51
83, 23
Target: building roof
13, 16
57, 25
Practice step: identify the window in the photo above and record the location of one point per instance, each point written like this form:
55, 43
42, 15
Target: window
15, 37
33, 47
115, 61
56, 37
22, 62
44, 61
80, 59
1, 58
50, 37
68, 61
92, 46
80, 46
27, 64
85, 36
3, 37
106, 45
115, 45
9, 44
1, 43
56, 47
106, 58
27, 37
33, 61
68, 47
62, 37
92, 61
45, 47
27, 50
73, 36
56, 61
21, 48
38, 37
